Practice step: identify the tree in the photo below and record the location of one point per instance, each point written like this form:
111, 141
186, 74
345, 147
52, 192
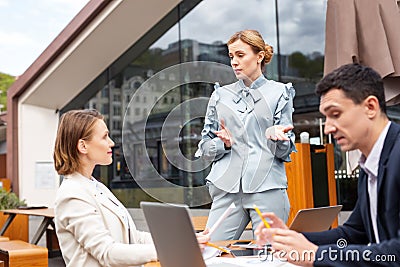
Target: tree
309, 67
5, 82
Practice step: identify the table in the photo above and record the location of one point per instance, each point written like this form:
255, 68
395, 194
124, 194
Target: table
225, 243
47, 214
219, 243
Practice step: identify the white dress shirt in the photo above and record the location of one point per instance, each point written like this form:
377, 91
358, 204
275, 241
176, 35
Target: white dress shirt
371, 165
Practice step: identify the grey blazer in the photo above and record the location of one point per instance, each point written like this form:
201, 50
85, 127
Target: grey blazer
253, 161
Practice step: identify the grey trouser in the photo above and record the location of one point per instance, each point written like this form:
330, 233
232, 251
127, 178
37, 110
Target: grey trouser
274, 200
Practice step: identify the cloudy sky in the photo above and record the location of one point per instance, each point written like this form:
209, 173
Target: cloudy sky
301, 23
29, 26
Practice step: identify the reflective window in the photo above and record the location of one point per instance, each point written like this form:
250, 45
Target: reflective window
161, 106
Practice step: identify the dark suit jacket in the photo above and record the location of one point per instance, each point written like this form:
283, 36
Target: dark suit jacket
357, 231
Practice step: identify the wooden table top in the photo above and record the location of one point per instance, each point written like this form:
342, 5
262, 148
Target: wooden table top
47, 212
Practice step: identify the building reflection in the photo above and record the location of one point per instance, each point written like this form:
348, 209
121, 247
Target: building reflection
156, 152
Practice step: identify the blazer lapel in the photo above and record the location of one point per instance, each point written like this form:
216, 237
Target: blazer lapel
391, 136
102, 197
363, 196
390, 139
110, 203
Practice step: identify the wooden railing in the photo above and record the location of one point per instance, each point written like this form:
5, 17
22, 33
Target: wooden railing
300, 184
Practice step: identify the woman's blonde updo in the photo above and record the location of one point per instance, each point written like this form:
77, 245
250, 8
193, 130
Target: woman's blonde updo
255, 40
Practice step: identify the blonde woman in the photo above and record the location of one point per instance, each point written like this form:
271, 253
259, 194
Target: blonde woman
247, 134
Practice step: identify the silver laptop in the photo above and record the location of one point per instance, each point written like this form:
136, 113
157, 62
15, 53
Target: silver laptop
315, 219
174, 236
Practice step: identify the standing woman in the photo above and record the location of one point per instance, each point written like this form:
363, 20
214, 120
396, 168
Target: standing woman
247, 134
93, 227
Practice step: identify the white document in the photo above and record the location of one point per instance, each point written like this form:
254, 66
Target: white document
246, 262
210, 252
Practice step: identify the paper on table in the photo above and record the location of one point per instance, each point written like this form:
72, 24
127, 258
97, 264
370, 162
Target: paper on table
210, 252
220, 220
246, 262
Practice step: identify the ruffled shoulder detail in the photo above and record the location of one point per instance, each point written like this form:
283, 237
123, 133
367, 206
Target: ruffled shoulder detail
215, 95
288, 93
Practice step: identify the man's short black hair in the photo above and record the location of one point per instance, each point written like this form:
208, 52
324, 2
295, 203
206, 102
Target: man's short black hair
357, 82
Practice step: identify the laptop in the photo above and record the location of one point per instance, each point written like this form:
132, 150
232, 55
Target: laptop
315, 219
174, 236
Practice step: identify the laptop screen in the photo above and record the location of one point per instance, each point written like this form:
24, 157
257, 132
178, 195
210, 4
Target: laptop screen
315, 219
173, 234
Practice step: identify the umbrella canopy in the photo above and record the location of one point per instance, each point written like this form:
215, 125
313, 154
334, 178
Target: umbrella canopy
366, 32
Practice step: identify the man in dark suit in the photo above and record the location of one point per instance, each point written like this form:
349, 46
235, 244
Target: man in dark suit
353, 101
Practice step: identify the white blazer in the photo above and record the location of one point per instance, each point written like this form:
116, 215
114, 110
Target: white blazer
91, 230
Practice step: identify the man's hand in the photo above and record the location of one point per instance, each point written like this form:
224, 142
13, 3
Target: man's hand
286, 244
263, 234
293, 247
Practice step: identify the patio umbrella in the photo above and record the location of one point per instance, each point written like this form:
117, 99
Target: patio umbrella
366, 32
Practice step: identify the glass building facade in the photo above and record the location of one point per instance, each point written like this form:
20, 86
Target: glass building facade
154, 96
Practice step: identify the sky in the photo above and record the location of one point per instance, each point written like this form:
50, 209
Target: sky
301, 23
27, 27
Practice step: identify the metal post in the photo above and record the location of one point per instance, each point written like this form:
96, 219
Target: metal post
277, 40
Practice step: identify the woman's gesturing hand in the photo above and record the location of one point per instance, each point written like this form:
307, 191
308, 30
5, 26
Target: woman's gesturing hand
278, 132
224, 134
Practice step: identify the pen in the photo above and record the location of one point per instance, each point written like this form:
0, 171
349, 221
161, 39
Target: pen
262, 218
217, 247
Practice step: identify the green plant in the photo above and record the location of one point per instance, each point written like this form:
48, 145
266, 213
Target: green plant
5, 82
9, 200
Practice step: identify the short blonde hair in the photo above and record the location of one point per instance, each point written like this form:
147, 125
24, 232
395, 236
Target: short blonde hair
257, 43
74, 125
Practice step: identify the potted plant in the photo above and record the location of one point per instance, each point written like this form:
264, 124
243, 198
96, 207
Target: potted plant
19, 226
9, 200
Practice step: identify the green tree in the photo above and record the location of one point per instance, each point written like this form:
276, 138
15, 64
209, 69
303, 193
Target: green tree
309, 67
5, 82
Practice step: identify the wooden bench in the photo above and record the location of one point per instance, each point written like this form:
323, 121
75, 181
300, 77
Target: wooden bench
17, 253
